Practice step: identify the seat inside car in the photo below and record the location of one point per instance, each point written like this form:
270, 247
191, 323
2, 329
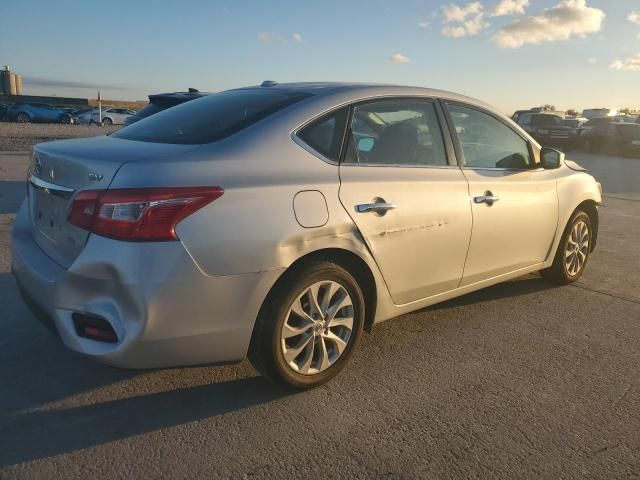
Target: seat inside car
398, 142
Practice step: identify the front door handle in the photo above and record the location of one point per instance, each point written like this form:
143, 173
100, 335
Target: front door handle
379, 207
488, 198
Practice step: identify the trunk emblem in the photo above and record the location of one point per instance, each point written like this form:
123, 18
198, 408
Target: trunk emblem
96, 176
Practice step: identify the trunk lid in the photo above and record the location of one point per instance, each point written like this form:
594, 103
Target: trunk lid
60, 169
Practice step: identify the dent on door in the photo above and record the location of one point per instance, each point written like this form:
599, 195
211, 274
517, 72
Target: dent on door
416, 223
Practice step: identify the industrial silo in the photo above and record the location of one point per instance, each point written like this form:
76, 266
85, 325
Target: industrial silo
10, 83
18, 83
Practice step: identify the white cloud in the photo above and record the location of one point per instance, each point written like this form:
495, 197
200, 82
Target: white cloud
593, 60
467, 20
270, 37
297, 37
423, 24
566, 19
455, 13
631, 64
399, 58
510, 7
634, 17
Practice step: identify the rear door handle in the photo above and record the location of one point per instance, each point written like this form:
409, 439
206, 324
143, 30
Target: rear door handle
488, 198
380, 207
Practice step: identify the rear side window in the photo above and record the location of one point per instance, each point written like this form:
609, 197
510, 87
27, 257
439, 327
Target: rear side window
325, 134
396, 132
210, 118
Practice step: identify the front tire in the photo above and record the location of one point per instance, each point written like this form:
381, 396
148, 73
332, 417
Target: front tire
309, 326
23, 118
106, 122
573, 251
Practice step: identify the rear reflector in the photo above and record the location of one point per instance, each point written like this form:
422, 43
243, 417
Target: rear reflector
94, 328
138, 214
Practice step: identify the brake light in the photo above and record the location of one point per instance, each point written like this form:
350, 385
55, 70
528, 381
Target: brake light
138, 214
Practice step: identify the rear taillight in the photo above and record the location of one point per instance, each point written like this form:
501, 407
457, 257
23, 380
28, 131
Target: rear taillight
138, 214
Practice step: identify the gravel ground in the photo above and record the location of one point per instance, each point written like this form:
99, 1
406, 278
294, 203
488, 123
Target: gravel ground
19, 136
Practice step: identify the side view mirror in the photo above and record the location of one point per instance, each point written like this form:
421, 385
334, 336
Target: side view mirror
551, 158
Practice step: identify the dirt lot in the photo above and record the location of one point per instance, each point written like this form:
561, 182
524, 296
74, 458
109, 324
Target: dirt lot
521, 380
19, 136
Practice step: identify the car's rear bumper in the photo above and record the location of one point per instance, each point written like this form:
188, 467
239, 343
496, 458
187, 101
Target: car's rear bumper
165, 311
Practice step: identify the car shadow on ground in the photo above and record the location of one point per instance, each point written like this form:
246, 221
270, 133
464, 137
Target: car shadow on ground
34, 423
11, 195
39, 434
513, 288
32, 430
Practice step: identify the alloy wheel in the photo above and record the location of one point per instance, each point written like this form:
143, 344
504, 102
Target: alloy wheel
317, 327
577, 248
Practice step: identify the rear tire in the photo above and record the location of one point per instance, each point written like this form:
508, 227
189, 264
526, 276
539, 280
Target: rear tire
573, 251
300, 342
23, 118
107, 122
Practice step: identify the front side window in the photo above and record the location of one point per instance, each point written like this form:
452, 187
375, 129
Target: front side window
396, 132
211, 117
487, 142
325, 134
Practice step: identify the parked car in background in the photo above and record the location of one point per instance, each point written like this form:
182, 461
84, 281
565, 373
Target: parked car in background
614, 138
591, 124
37, 113
576, 123
162, 101
3, 112
112, 116
257, 222
592, 113
623, 118
549, 129
84, 116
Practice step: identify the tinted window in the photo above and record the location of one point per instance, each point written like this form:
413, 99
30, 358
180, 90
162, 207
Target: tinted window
630, 132
210, 118
487, 142
325, 135
546, 120
148, 110
405, 132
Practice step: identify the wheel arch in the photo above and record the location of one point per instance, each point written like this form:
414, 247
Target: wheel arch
351, 262
590, 207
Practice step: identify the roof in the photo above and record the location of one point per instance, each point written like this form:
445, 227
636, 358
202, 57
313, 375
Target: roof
365, 89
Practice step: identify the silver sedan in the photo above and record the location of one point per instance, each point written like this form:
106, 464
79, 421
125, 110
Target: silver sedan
278, 222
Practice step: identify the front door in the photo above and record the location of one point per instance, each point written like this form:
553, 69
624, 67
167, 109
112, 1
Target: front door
410, 204
514, 203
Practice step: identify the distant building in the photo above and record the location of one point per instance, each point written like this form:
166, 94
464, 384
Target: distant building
10, 83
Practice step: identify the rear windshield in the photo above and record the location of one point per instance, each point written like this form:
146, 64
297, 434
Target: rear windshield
148, 110
210, 118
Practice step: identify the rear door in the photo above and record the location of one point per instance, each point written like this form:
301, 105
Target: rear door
406, 196
514, 203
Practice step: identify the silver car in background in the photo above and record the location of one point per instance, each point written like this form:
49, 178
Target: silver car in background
281, 221
111, 116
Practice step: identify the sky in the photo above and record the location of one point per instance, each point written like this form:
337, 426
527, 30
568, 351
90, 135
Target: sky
510, 53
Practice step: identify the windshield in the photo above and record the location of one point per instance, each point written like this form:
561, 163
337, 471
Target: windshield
210, 118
